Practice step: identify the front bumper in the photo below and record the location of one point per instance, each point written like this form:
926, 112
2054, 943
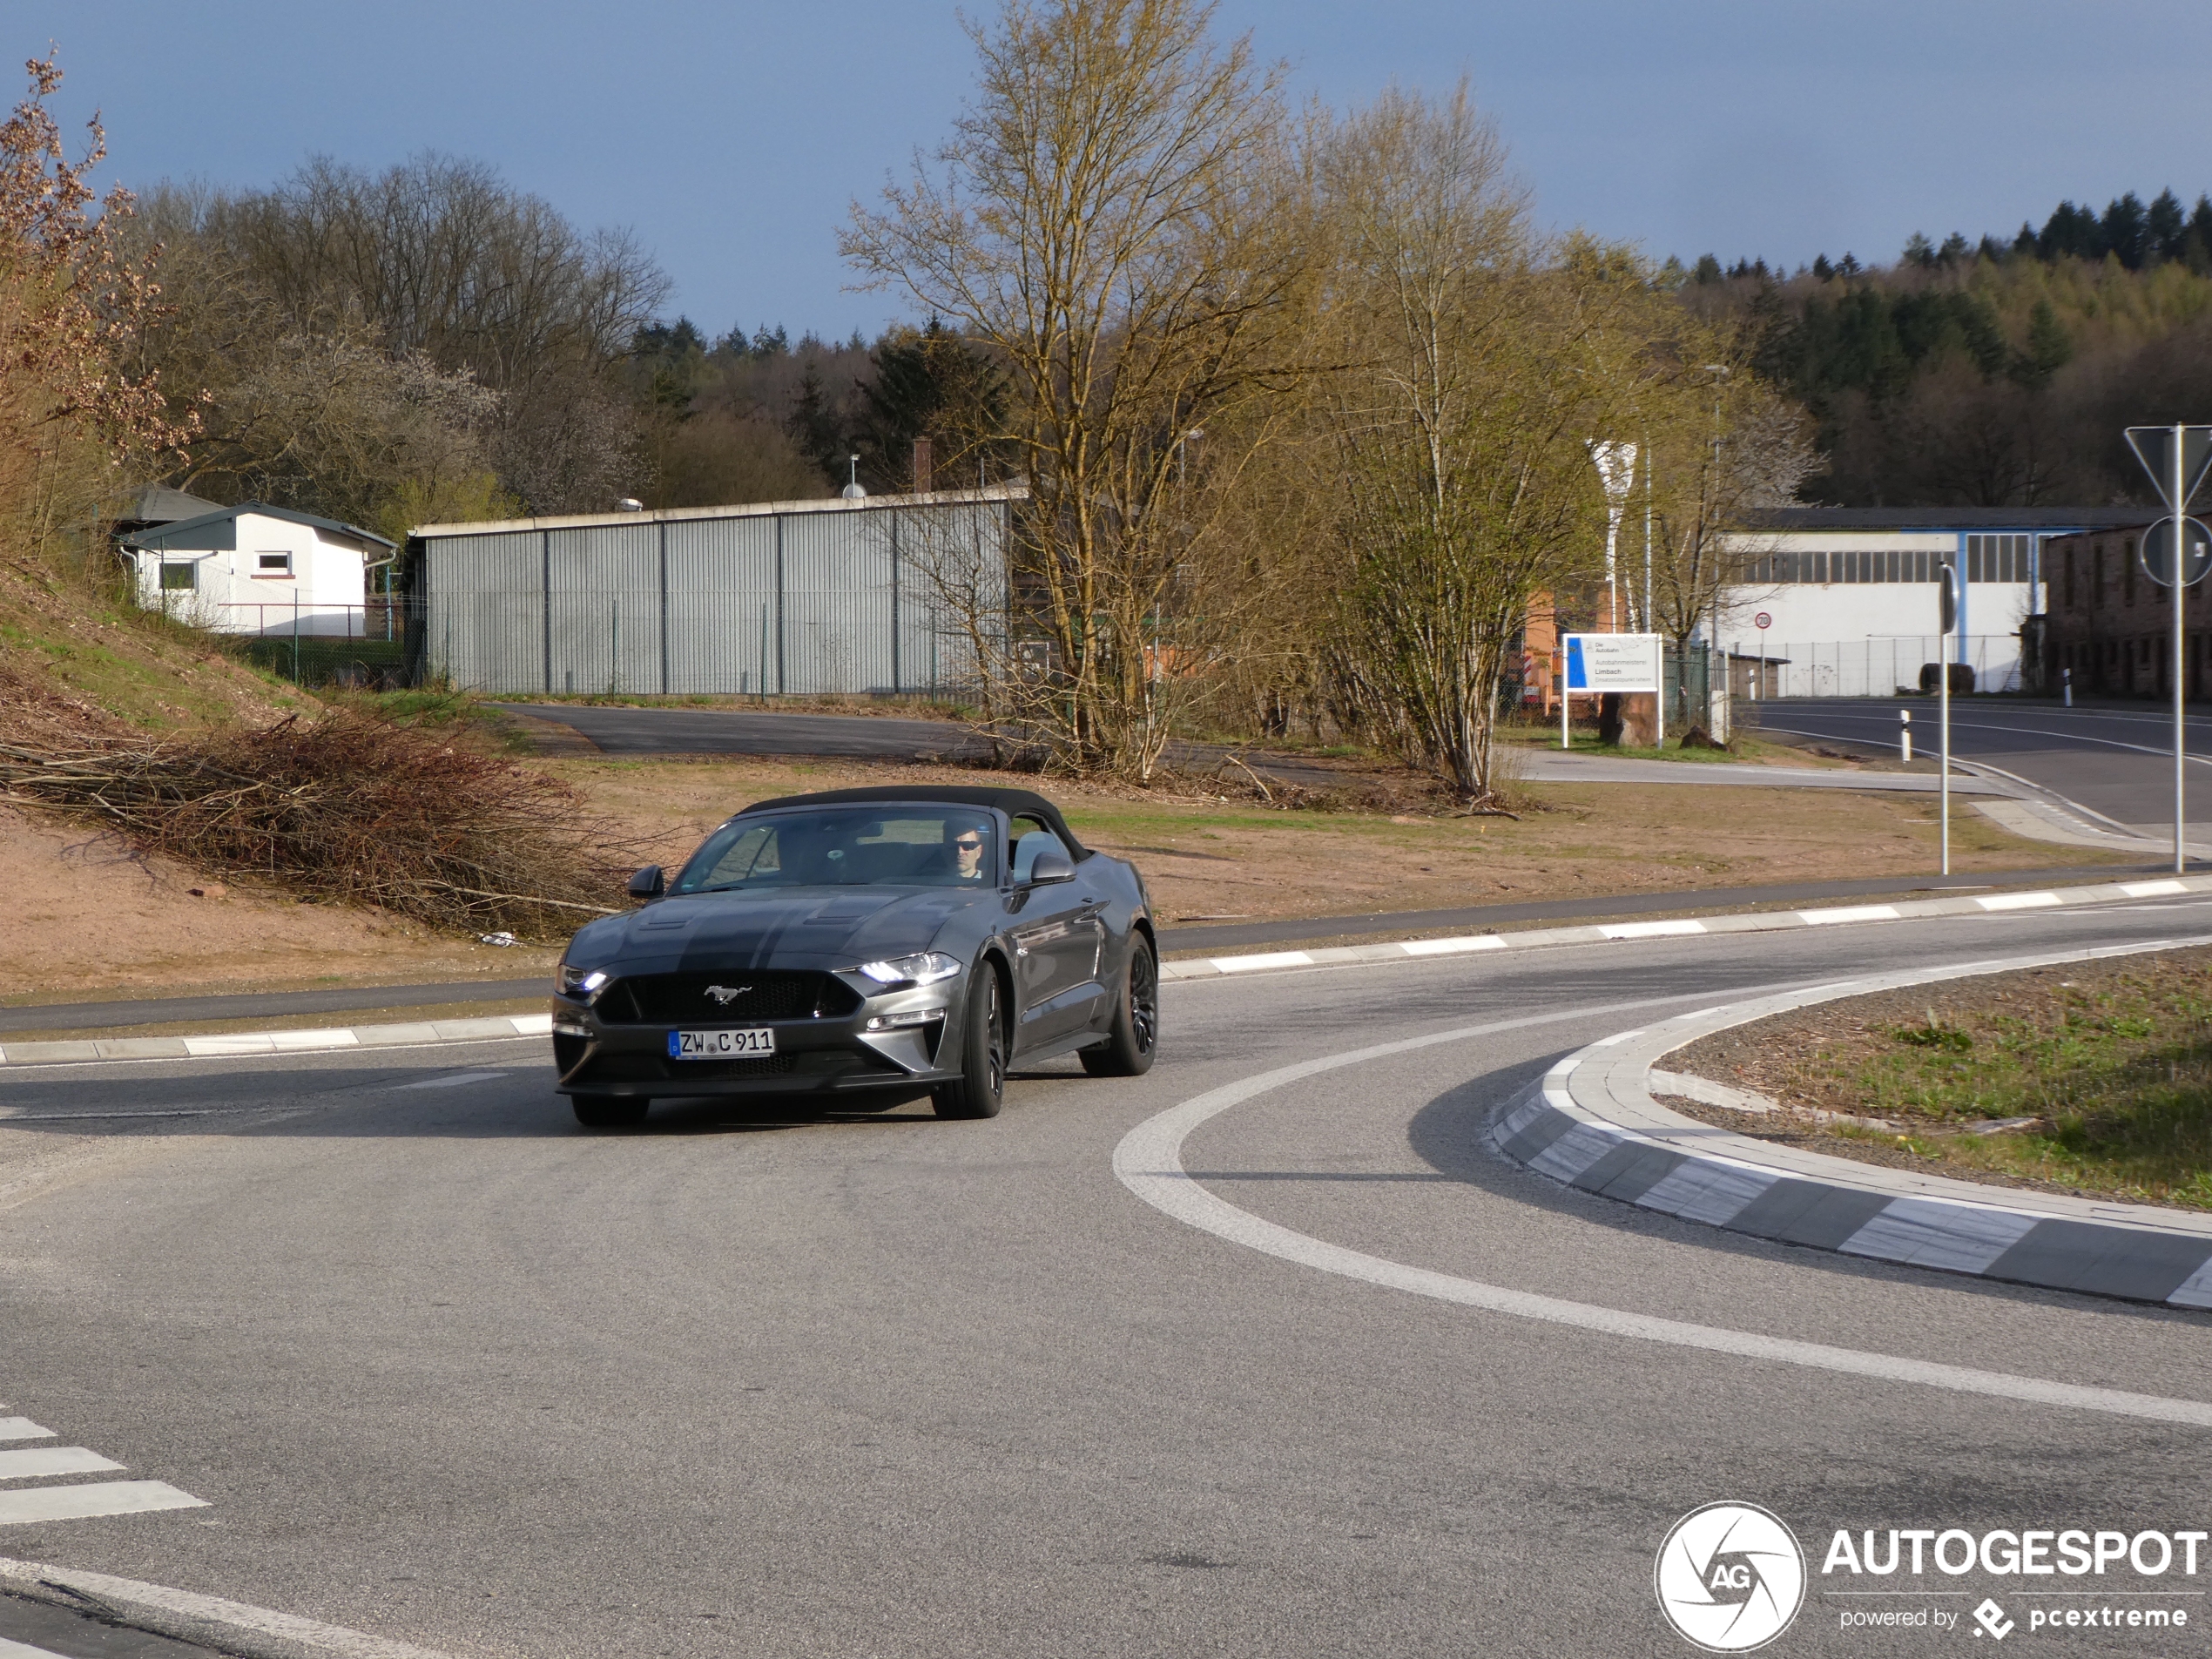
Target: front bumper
895, 1040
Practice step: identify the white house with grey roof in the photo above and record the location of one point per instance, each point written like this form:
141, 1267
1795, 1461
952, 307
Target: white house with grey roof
254, 569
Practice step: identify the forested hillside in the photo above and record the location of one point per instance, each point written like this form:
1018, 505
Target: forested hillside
1994, 373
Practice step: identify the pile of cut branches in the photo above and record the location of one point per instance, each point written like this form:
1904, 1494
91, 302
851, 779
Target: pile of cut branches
341, 809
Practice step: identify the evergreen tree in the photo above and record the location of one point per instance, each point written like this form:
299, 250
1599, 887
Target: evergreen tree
2165, 226
931, 384
2124, 231
2049, 348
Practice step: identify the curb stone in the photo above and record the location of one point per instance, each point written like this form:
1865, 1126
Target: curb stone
1758, 922
314, 1039
228, 1627
1592, 1123
421, 1033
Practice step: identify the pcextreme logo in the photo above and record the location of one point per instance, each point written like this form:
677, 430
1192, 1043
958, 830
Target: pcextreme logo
1729, 1577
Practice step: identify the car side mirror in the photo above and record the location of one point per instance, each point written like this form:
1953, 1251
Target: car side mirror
1051, 867
648, 883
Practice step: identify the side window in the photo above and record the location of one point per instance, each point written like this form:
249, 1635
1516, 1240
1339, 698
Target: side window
1031, 837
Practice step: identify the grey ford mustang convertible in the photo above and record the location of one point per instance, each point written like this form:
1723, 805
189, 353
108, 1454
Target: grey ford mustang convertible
895, 939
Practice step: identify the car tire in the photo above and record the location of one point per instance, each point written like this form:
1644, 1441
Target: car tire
1135, 1035
981, 1088
610, 1111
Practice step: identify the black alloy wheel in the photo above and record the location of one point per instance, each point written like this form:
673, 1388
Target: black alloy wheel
982, 1088
610, 1111
1135, 1034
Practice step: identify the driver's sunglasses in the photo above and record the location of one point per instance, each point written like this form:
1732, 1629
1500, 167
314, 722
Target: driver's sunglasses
969, 844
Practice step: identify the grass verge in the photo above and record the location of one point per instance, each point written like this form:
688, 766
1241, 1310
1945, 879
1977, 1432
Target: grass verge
2094, 1078
1242, 860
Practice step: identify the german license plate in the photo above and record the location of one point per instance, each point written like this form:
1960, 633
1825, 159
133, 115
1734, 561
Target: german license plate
720, 1045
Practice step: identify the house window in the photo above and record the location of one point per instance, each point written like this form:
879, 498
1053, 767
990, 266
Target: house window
273, 565
2128, 569
180, 577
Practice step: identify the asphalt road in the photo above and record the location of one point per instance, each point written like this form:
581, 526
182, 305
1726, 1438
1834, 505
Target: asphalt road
743, 732
2117, 761
448, 1371
662, 731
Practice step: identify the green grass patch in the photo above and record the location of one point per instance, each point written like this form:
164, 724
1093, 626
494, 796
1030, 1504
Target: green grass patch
2114, 1069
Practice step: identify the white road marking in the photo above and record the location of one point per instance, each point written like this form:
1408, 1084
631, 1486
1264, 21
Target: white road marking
1849, 912
17, 1650
52, 1460
22, 1428
2017, 900
1271, 959
1149, 1162
81, 1503
184, 1614
456, 1080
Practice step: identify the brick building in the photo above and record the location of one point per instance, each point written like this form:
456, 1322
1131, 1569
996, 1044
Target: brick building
2110, 625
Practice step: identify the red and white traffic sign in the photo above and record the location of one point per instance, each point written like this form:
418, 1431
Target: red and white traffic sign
1762, 622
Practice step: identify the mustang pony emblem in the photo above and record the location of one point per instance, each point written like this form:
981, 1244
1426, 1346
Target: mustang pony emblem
726, 995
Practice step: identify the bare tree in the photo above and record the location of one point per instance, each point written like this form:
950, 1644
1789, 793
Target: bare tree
439, 261
1481, 365
73, 300
1720, 444
1113, 221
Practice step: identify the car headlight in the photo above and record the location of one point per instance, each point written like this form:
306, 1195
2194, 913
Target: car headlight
577, 982
923, 968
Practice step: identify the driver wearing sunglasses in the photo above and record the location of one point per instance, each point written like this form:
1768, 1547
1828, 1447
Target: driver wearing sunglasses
968, 853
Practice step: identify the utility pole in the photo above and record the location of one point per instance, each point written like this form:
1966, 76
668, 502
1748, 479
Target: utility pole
2175, 554
1949, 602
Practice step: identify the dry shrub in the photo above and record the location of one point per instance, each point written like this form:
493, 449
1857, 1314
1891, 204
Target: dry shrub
342, 810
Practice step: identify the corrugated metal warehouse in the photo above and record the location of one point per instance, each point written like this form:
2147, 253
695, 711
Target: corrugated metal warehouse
784, 596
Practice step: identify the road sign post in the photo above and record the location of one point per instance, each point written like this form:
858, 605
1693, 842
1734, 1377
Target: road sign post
1600, 663
2175, 555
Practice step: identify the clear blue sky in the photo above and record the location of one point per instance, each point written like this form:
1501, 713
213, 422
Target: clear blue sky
730, 137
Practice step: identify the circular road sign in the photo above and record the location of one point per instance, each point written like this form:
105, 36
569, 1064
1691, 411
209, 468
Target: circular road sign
2158, 552
1762, 622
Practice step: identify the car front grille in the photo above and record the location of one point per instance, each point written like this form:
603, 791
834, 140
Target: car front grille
737, 996
767, 1066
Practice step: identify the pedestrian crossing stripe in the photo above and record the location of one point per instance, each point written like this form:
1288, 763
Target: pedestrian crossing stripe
21, 1505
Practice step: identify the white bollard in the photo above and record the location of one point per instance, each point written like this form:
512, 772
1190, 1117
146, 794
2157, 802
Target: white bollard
2066, 679
1905, 734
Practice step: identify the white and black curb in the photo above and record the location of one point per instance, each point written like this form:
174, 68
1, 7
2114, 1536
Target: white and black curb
421, 1033
314, 1039
228, 1627
1592, 1123
1759, 922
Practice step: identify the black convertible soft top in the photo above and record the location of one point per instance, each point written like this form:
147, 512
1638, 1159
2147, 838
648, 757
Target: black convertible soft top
1012, 802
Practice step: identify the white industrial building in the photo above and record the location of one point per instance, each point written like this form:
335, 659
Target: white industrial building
1849, 595
258, 570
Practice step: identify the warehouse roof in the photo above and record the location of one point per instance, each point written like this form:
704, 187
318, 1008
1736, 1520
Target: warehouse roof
747, 509
2046, 519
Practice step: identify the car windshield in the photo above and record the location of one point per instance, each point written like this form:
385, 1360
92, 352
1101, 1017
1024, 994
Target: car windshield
899, 846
